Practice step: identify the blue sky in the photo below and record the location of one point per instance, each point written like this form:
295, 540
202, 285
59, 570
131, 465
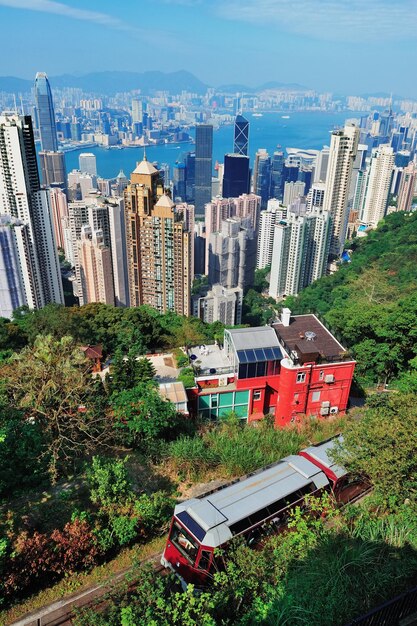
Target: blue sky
345, 46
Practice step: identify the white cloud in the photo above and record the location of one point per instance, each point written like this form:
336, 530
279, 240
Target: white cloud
336, 20
58, 8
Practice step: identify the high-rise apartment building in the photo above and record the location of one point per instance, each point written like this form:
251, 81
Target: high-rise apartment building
377, 185
16, 272
46, 114
21, 197
300, 252
158, 244
292, 191
221, 305
96, 275
236, 175
59, 211
241, 135
203, 166
321, 164
53, 170
407, 187
232, 254
267, 220
342, 154
88, 163
220, 209
315, 197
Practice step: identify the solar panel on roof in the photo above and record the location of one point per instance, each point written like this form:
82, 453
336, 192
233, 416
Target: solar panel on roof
277, 353
250, 355
269, 355
260, 354
242, 356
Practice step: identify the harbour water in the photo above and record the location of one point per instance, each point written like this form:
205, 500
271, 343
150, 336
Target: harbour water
299, 130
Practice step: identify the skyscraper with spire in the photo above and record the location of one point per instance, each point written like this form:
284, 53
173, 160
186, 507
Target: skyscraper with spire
52, 161
46, 114
241, 135
159, 244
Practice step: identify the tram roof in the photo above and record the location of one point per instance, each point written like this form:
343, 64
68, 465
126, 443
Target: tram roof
320, 453
216, 512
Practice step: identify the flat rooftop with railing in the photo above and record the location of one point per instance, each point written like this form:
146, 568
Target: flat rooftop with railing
210, 359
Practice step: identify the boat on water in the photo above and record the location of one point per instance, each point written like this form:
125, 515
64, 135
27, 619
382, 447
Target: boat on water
256, 114
285, 117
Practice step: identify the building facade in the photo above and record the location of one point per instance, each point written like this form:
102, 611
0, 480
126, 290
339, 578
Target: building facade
158, 244
377, 185
45, 112
203, 166
241, 135
291, 369
342, 154
21, 197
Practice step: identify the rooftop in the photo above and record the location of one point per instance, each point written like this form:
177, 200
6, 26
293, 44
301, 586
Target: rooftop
165, 201
210, 359
309, 339
144, 167
175, 392
252, 338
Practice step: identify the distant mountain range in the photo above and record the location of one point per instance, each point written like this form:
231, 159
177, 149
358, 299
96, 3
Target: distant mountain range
113, 82
238, 88
147, 82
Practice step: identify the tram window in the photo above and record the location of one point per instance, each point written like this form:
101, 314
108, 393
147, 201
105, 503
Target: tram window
204, 561
184, 542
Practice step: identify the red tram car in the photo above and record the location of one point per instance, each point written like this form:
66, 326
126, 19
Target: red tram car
201, 525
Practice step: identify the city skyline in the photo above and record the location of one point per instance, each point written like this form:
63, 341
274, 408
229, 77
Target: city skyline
358, 35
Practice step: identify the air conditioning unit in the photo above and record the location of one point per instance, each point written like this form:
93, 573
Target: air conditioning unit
325, 404
334, 410
329, 378
324, 410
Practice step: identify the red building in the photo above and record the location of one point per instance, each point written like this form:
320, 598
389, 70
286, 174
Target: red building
294, 367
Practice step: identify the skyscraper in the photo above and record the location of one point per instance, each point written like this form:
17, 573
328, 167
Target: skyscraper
241, 135
88, 163
262, 176
268, 218
203, 166
96, 267
277, 175
342, 154
236, 176
407, 187
377, 185
46, 115
300, 251
15, 270
158, 244
21, 197
53, 170
232, 254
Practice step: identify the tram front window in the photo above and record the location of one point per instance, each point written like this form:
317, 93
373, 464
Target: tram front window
184, 542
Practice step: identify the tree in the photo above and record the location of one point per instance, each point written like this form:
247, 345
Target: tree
382, 445
144, 414
109, 482
50, 383
128, 371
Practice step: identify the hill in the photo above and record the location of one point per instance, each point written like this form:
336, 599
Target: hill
113, 82
371, 303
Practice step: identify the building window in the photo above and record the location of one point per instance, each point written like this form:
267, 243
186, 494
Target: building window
257, 395
315, 396
214, 402
301, 377
321, 375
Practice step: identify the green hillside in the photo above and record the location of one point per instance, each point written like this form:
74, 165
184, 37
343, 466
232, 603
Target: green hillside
371, 303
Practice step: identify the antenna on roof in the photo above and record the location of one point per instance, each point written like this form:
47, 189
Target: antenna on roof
144, 153
15, 104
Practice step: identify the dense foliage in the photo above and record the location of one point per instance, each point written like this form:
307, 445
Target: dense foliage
371, 302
